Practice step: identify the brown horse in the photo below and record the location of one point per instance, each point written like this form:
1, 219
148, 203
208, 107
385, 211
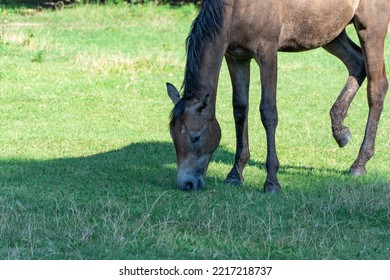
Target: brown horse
241, 30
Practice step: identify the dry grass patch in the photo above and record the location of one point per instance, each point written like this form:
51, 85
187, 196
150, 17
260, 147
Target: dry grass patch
122, 64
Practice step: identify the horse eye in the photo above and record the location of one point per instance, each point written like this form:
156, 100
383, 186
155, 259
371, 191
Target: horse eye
195, 139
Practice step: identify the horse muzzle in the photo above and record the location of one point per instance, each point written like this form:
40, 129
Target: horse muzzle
190, 183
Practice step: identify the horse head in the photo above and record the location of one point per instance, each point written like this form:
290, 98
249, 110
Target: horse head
196, 134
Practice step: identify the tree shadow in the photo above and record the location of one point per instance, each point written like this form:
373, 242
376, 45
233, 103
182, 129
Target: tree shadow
136, 167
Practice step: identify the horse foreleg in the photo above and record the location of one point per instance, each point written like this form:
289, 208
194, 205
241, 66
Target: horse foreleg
351, 55
240, 75
372, 30
269, 116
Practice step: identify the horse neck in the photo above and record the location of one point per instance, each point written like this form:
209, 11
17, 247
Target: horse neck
209, 69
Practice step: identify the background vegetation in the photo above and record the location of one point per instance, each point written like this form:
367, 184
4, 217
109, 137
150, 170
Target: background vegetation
87, 167
61, 3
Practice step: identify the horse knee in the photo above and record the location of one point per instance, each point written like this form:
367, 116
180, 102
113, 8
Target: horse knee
240, 112
269, 115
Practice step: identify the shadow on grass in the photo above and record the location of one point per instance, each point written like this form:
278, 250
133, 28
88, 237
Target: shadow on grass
135, 166
120, 204
147, 165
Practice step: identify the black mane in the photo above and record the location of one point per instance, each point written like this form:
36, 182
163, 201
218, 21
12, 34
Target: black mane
205, 27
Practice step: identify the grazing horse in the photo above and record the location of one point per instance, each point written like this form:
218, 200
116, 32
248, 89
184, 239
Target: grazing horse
242, 30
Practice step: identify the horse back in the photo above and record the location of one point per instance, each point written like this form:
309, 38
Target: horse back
292, 25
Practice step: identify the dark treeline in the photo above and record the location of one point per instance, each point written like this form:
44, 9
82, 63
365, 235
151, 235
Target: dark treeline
61, 3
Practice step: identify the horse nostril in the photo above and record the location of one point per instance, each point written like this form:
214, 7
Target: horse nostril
189, 186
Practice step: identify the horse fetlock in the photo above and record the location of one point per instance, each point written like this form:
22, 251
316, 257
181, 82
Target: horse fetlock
234, 178
272, 186
357, 170
233, 182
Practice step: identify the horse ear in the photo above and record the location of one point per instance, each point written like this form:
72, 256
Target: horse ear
202, 104
173, 93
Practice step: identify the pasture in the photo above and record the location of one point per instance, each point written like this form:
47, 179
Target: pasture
87, 165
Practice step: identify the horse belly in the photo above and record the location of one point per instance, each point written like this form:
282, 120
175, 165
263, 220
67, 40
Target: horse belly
312, 24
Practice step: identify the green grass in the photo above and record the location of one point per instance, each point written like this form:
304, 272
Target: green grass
87, 167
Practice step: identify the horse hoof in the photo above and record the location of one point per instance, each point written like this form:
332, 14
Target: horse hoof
233, 182
357, 171
272, 188
344, 137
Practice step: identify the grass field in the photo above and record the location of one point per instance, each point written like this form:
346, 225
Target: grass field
87, 167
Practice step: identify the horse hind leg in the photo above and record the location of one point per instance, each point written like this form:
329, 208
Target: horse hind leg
239, 70
372, 29
351, 55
